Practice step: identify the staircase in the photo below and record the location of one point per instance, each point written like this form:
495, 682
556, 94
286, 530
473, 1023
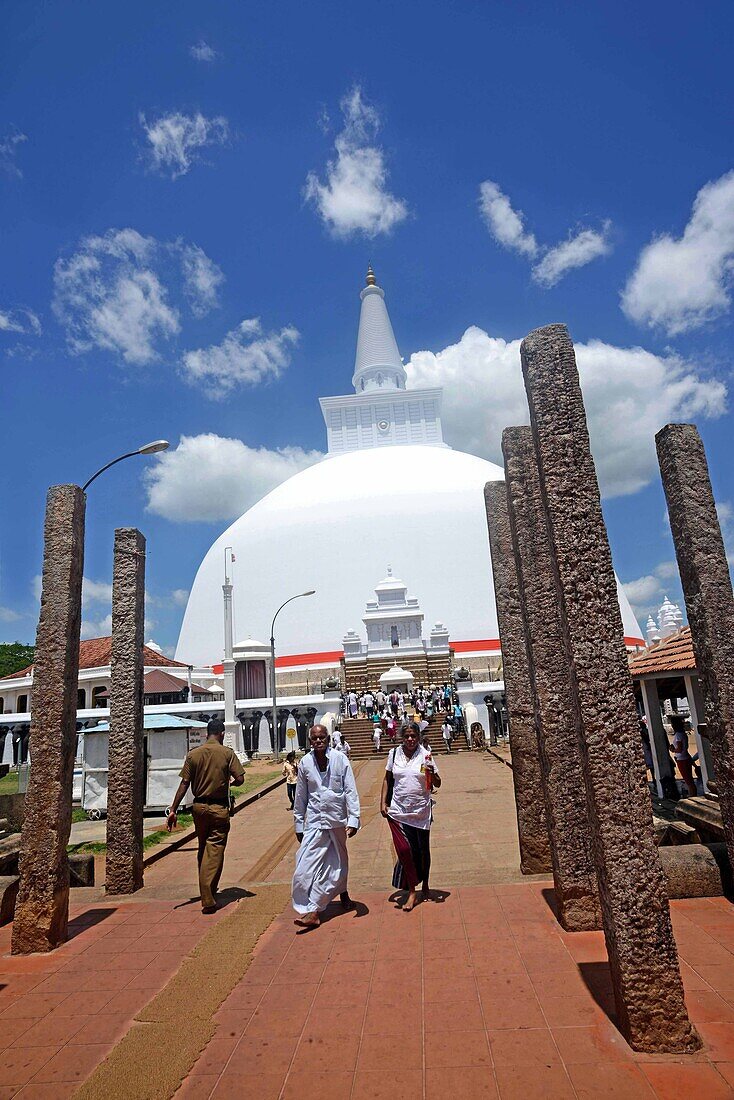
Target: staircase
362, 674
358, 733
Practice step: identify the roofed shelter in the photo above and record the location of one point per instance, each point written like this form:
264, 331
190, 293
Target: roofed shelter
667, 670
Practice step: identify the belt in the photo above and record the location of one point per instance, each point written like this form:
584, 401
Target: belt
213, 801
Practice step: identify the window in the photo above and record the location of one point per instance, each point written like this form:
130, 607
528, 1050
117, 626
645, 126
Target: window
99, 697
81, 699
22, 704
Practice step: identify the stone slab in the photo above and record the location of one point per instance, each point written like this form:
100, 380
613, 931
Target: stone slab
693, 871
81, 869
42, 910
535, 856
642, 953
8, 897
566, 806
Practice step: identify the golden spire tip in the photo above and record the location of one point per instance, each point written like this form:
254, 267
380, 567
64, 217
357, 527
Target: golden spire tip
371, 280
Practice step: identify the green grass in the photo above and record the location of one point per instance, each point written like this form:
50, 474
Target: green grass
9, 783
253, 781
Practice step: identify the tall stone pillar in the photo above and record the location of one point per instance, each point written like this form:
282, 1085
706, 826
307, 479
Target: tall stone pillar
566, 808
642, 953
126, 766
704, 574
529, 800
42, 908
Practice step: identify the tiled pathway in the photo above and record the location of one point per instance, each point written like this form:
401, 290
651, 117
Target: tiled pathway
480, 996
61, 1014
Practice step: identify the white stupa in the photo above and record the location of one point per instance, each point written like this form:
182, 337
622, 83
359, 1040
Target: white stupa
389, 489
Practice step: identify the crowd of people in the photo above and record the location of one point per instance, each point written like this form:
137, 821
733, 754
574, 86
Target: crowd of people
388, 711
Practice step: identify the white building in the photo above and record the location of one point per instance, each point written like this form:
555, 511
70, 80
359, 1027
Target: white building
389, 489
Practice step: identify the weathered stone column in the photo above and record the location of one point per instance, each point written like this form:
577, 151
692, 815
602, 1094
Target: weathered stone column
529, 800
42, 908
704, 574
566, 808
642, 953
125, 778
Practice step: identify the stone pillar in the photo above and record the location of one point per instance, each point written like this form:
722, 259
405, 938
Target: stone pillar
42, 908
566, 808
659, 745
706, 582
526, 777
703, 745
126, 766
643, 958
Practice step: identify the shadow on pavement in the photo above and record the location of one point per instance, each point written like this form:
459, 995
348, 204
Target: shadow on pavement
87, 920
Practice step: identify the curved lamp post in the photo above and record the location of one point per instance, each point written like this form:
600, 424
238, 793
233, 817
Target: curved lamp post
276, 749
147, 449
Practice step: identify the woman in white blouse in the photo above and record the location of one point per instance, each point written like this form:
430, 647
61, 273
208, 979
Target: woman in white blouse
410, 777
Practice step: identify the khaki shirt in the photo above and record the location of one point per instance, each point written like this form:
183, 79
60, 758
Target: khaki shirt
208, 769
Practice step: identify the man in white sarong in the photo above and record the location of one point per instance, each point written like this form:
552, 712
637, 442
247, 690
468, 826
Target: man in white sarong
325, 813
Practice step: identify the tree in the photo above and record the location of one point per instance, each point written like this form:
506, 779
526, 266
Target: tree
14, 656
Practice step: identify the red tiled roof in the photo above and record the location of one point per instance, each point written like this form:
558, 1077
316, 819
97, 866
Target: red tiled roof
674, 654
97, 653
159, 682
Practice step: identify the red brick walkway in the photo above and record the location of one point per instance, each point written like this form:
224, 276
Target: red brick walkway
61, 1014
481, 996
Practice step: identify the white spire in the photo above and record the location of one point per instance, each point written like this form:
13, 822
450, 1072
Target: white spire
378, 365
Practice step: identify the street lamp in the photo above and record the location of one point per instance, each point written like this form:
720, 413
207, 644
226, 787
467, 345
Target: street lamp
311, 592
148, 449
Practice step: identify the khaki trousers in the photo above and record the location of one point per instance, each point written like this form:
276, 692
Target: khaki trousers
212, 829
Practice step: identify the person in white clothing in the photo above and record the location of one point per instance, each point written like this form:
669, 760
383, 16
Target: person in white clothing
326, 813
376, 733
342, 745
411, 776
447, 732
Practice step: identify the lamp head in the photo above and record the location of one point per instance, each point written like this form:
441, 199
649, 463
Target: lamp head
154, 447
311, 592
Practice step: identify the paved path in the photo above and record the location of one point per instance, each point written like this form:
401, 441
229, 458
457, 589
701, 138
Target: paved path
482, 995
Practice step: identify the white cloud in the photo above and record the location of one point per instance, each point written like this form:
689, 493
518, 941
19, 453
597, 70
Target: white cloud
245, 357
580, 249
23, 321
202, 51
114, 292
629, 394
7, 615
202, 278
680, 283
176, 140
97, 628
95, 592
647, 593
209, 477
507, 226
8, 149
354, 198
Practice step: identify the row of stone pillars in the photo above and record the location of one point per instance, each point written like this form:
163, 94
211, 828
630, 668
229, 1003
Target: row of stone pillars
42, 907
573, 717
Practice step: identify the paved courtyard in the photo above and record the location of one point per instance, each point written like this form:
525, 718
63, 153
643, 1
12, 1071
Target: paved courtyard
480, 994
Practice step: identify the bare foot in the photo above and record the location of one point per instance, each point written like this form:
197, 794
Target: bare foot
410, 902
309, 920
346, 901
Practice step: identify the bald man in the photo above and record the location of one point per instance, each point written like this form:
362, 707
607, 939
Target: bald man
325, 814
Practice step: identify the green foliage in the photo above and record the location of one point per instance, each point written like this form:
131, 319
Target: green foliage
14, 656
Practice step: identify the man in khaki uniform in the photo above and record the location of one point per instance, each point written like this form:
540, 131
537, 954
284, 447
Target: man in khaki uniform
208, 770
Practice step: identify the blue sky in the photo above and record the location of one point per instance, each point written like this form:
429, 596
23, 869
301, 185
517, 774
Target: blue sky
170, 171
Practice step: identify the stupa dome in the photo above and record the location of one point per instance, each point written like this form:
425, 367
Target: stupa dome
390, 490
